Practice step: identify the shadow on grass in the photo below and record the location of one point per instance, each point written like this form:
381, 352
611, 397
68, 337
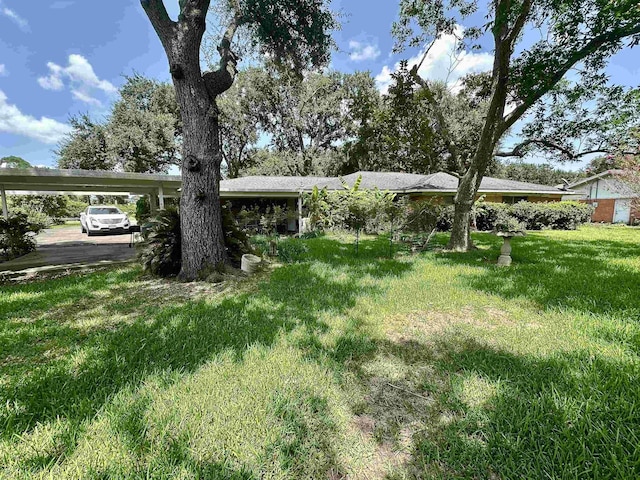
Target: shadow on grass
69, 345
575, 274
475, 411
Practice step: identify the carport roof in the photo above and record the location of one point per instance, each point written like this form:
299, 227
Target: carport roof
89, 181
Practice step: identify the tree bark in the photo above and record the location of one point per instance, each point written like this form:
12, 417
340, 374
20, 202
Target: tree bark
200, 210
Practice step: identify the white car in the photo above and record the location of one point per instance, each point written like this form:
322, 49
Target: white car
98, 219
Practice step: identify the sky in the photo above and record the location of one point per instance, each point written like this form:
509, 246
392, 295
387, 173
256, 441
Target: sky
60, 58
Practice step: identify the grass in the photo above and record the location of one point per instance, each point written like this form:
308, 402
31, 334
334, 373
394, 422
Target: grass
438, 365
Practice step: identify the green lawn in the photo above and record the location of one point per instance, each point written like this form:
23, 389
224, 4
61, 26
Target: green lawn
438, 365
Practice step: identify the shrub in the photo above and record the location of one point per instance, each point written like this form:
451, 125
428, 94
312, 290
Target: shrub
445, 219
36, 218
290, 251
75, 208
488, 214
160, 252
16, 236
236, 241
143, 210
556, 216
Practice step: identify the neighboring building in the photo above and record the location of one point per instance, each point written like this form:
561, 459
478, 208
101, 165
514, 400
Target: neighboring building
613, 199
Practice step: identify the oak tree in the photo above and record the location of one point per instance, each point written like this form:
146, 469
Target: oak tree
294, 33
582, 33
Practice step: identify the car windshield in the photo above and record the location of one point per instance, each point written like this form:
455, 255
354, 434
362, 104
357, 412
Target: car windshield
104, 211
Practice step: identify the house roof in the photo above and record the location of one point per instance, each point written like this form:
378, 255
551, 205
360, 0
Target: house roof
440, 182
606, 173
50, 180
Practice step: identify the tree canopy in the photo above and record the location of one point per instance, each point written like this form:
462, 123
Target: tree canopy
14, 162
141, 134
572, 33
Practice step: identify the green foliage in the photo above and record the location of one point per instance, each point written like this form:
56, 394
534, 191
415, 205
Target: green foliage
292, 250
545, 174
556, 216
259, 220
14, 162
235, 239
398, 132
141, 133
16, 236
143, 209
296, 33
306, 120
86, 146
74, 207
160, 251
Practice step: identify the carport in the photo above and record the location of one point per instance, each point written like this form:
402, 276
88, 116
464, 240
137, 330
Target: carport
85, 182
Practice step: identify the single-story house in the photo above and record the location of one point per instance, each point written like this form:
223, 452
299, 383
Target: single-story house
264, 189
614, 200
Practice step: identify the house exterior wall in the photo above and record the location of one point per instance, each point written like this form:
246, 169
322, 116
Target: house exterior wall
602, 193
603, 209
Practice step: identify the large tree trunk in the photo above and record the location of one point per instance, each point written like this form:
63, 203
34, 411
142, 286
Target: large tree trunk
200, 211
460, 240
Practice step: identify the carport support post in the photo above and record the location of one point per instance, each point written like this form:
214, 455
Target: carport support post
153, 203
161, 197
5, 209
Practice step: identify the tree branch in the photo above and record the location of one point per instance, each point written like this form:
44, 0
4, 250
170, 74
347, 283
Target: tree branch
519, 23
443, 127
518, 150
160, 20
592, 46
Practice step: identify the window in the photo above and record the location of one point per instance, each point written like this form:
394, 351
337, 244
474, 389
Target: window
512, 200
104, 211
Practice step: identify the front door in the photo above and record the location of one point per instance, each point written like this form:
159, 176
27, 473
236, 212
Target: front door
622, 211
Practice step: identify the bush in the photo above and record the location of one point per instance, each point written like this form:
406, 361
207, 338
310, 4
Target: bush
143, 210
236, 241
161, 251
16, 236
488, 214
290, 251
38, 219
555, 216
75, 208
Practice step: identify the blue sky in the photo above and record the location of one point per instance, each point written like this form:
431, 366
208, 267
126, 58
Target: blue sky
63, 57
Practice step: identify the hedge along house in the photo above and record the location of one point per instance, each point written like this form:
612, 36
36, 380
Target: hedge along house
613, 199
264, 190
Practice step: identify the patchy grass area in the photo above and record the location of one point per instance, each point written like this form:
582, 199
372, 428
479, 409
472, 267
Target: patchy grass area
439, 365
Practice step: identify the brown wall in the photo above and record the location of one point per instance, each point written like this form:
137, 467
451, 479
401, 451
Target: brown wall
604, 210
544, 199
635, 210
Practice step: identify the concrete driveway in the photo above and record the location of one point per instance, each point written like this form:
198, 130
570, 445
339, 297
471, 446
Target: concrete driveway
66, 247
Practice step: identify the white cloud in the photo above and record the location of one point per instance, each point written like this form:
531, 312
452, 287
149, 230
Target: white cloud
45, 130
3, 70
17, 19
85, 98
443, 63
363, 51
81, 77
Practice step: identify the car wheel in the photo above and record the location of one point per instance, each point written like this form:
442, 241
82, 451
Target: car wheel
82, 229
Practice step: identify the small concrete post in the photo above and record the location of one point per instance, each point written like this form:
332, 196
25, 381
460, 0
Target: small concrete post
161, 196
5, 209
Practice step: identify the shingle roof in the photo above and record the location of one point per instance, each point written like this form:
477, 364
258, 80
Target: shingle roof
393, 181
